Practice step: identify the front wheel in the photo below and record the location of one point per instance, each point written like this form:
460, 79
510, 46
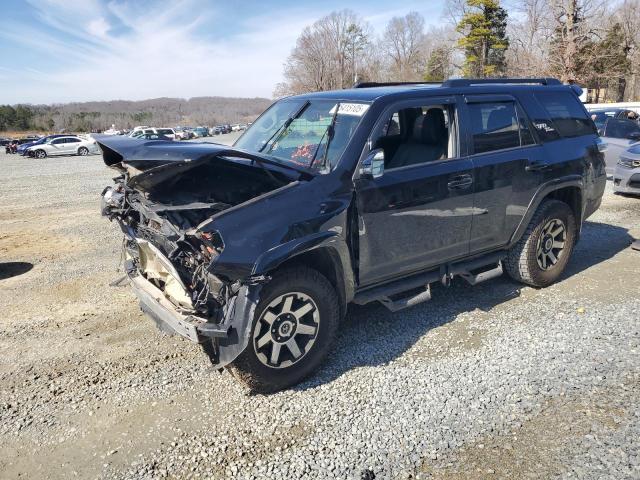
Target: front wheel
543, 252
83, 151
293, 328
40, 154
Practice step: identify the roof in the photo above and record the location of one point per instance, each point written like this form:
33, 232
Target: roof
372, 91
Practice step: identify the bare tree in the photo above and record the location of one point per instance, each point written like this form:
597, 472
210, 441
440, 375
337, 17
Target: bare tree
574, 25
403, 42
529, 31
326, 53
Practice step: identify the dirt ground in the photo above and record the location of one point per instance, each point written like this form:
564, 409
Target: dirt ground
88, 387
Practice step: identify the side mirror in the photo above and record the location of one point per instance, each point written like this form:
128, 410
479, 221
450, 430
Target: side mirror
373, 165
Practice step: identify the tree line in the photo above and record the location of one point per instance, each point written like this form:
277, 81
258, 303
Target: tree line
99, 116
590, 42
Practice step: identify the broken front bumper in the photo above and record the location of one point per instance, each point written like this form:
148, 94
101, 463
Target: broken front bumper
227, 339
167, 317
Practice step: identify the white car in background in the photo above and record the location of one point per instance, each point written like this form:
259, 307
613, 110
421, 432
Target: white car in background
69, 145
166, 132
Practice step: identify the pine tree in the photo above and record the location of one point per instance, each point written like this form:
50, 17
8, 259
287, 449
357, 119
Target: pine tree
438, 65
484, 41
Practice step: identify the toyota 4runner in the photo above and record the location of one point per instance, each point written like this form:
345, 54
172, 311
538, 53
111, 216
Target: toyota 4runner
368, 194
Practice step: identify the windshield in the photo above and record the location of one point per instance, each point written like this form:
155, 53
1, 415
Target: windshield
298, 131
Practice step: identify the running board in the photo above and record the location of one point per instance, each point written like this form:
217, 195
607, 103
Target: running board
479, 277
410, 291
401, 302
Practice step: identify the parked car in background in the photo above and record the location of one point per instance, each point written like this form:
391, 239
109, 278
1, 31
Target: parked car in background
66, 145
154, 136
619, 134
22, 149
626, 177
601, 115
166, 132
12, 146
183, 133
201, 132
5, 141
136, 132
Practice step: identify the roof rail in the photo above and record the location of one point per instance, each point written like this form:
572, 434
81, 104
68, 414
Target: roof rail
467, 82
391, 84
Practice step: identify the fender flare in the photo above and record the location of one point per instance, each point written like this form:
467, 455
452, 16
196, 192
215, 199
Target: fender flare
332, 240
542, 192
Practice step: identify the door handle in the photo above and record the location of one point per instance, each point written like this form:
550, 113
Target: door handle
537, 167
460, 182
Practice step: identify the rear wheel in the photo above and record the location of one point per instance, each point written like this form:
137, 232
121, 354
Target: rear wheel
83, 151
40, 154
543, 252
293, 328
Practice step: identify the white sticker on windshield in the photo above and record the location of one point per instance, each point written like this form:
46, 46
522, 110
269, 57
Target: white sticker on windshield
356, 109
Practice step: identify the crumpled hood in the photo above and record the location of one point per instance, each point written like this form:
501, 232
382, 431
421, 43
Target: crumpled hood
151, 162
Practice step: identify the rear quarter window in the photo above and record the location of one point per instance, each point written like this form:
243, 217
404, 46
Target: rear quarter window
568, 116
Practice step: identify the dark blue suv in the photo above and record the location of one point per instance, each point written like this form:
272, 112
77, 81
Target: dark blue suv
360, 195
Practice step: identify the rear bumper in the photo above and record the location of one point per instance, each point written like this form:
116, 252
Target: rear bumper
168, 318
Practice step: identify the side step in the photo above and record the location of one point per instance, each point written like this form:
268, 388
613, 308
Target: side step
409, 299
475, 277
416, 289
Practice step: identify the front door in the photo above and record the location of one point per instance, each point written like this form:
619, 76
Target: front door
418, 213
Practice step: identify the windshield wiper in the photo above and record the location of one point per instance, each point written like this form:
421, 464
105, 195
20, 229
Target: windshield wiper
280, 131
329, 133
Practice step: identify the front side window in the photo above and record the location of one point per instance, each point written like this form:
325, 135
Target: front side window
58, 141
494, 126
308, 133
418, 135
73, 140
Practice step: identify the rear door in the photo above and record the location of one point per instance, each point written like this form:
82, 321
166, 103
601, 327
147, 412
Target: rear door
71, 145
504, 155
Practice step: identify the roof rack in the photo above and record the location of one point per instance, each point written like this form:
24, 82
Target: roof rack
468, 82
391, 84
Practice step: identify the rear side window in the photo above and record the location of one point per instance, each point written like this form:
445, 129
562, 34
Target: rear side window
567, 114
495, 126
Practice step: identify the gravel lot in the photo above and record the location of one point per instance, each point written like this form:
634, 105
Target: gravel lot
493, 381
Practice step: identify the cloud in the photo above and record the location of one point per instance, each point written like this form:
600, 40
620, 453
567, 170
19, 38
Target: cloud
93, 50
98, 27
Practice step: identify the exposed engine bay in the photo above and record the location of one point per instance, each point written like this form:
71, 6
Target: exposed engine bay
160, 208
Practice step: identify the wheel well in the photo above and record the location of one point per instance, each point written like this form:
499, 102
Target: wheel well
572, 196
326, 261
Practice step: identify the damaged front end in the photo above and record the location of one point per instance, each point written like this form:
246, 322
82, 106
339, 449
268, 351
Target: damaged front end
160, 206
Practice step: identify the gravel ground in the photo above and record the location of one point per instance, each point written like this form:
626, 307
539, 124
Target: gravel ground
493, 381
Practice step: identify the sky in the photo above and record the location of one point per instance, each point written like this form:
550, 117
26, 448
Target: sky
56, 51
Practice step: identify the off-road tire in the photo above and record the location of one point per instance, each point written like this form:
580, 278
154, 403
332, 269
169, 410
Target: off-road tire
522, 264
249, 369
83, 151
